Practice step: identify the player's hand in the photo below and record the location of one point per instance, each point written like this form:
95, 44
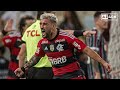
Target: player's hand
107, 67
18, 72
88, 33
8, 26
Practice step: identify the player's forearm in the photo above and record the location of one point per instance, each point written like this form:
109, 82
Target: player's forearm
22, 55
34, 60
21, 60
93, 55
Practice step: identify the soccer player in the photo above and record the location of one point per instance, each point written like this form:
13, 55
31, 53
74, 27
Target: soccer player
12, 40
58, 46
42, 70
99, 44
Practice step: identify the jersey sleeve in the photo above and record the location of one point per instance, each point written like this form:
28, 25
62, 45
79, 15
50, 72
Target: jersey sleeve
76, 43
7, 41
39, 51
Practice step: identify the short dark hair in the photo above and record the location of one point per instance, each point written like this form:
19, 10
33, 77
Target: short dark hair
22, 22
98, 13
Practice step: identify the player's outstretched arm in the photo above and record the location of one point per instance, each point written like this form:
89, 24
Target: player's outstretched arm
77, 33
91, 53
34, 60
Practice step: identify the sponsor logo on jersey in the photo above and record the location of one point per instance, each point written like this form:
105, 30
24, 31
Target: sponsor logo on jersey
59, 40
52, 48
32, 33
46, 48
59, 60
60, 47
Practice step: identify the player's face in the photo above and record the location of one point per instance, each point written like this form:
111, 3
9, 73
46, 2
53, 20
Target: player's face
27, 24
46, 27
103, 24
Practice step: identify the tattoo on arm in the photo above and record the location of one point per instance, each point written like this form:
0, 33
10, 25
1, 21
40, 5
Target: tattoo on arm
34, 60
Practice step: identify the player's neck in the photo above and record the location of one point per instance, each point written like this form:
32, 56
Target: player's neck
53, 34
99, 29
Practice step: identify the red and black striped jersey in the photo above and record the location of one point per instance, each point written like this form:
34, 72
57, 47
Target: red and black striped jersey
60, 52
13, 42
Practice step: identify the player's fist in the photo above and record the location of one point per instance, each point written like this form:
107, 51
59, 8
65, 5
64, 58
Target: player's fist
107, 67
18, 72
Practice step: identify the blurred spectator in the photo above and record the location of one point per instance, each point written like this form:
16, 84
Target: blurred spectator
71, 21
10, 15
12, 40
3, 64
1, 24
16, 16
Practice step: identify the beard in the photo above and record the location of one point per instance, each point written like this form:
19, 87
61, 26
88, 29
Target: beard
46, 35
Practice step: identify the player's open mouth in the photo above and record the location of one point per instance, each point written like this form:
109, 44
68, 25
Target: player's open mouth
43, 32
